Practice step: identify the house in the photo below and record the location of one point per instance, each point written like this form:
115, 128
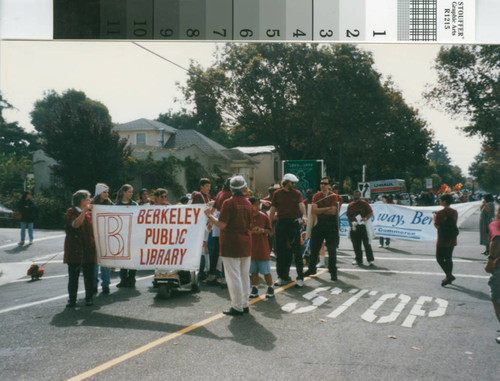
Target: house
268, 169
159, 140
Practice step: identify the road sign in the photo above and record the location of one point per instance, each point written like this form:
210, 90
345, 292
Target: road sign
364, 188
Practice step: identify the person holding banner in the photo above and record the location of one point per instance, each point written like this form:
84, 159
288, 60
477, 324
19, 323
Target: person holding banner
445, 221
203, 196
101, 197
160, 197
79, 247
288, 208
358, 213
487, 215
324, 207
127, 276
234, 222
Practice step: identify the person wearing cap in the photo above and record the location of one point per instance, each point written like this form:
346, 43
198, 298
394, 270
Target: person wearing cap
287, 208
325, 208
101, 197
235, 222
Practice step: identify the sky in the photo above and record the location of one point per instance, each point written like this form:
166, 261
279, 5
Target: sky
134, 83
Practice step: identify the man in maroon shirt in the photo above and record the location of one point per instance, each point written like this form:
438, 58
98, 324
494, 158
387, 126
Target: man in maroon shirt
287, 207
358, 212
325, 208
203, 196
235, 222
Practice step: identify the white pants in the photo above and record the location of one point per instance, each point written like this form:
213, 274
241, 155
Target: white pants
238, 280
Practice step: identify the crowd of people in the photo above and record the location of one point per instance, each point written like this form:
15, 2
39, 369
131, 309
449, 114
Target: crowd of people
243, 229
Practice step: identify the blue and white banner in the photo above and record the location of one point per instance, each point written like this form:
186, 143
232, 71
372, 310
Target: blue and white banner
413, 223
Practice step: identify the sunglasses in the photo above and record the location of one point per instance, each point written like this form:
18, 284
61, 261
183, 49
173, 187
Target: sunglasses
325, 183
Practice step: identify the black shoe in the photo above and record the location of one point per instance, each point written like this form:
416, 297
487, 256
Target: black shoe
105, 289
212, 282
70, 304
451, 278
89, 302
287, 279
94, 290
232, 312
255, 293
445, 282
270, 292
131, 284
246, 310
310, 272
122, 284
333, 277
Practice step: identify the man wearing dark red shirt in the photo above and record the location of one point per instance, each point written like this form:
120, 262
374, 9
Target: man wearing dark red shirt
235, 222
287, 207
324, 207
358, 213
203, 196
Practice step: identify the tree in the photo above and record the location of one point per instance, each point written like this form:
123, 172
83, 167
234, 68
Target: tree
449, 174
14, 140
77, 132
469, 86
311, 102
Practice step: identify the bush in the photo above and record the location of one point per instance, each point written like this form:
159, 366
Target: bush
50, 212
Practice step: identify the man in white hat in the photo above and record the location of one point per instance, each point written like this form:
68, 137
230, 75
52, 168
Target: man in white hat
288, 208
234, 222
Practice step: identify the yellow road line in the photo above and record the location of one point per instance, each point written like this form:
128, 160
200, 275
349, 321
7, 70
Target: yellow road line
136, 352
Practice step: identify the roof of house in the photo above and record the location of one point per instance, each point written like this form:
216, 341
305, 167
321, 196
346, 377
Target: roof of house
186, 138
235, 154
256, 150
144, 125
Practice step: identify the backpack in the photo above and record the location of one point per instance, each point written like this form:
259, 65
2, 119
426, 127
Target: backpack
449, 230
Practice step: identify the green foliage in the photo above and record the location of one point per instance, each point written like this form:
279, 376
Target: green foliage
77, 133
157, 173
194, 172
441, 164
13, 170
469, 86
312, 101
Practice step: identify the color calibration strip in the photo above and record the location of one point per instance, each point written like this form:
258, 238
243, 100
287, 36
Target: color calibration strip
267, 20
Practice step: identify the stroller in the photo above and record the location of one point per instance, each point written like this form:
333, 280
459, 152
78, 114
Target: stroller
169, 281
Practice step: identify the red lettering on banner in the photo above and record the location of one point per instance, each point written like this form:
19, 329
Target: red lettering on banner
161, 253
175, 254
196, 214
188, 216
156, 216
181, 237
173, 216
140, 217
148, 216
164, 217
167, 257
183, 253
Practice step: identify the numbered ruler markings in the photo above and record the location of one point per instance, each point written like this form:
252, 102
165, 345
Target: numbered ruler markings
246, 19
113, 19
166, 19
219, 20
382, 21
299, 20
326, 20
352, 20
192, 20
272, 19
139, 19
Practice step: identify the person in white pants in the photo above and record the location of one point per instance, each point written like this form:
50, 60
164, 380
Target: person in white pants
235, 221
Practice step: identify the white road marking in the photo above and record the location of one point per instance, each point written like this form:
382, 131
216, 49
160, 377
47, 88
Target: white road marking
315, 292
405, 299
318, 301
336, 291
289, 307
417, 310
26, 305
414, 259
35, 240
347, 304
348, 270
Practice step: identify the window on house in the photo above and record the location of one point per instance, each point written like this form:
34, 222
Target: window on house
140, 138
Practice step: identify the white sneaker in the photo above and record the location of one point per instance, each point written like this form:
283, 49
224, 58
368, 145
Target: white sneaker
279, 282
355, 263
372, 263
300, 282
380, 245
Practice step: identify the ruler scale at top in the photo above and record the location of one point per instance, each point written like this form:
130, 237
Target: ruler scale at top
440, 21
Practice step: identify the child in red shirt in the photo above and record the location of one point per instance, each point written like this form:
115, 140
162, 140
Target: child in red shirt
261, 254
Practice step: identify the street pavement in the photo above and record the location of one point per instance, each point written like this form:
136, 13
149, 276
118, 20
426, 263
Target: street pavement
389, 322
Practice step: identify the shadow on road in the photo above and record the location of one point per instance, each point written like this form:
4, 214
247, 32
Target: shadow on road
248, 331
88, 317
475, 294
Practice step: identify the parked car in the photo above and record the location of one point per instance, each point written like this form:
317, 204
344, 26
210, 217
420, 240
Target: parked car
6, 213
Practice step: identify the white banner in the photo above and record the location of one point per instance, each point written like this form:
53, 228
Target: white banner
149, 237
413, 223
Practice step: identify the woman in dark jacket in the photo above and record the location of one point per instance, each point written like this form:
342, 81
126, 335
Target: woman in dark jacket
79, 247
27, 208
